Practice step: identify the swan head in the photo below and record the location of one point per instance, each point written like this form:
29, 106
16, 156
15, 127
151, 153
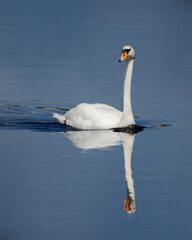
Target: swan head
128, 53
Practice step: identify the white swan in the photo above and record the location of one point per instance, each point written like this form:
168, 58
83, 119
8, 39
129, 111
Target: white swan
101, 116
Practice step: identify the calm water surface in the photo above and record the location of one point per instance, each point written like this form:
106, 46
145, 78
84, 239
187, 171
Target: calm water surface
61, 184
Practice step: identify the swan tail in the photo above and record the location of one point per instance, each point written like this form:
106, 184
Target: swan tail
59, 117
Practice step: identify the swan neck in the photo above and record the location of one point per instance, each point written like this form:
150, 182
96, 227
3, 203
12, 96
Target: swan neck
127, 87
127, 118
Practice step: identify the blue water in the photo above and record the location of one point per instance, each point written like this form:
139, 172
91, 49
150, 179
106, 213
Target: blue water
56, 183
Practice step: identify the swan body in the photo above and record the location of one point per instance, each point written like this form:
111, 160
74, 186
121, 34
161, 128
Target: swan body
101, 116
91, 116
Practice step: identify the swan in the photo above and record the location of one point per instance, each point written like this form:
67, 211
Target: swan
101, 116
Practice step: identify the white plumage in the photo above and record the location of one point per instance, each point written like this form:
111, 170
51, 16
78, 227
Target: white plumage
91, 116
101, 116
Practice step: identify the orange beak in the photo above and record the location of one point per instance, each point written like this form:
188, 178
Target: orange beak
123, 56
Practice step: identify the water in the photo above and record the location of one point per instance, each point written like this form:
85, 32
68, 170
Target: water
58, 183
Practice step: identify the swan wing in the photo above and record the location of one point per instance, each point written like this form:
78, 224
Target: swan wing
93, 116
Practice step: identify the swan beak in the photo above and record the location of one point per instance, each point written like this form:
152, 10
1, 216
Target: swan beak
123, 56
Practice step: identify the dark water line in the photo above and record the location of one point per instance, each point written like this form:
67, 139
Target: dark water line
36, 107
36, 126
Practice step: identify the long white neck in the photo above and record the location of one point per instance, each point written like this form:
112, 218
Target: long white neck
127, 118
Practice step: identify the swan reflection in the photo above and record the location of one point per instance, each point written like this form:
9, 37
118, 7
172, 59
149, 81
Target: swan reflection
103, 140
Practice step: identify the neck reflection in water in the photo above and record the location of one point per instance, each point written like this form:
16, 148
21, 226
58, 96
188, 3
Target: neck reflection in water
104, 139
